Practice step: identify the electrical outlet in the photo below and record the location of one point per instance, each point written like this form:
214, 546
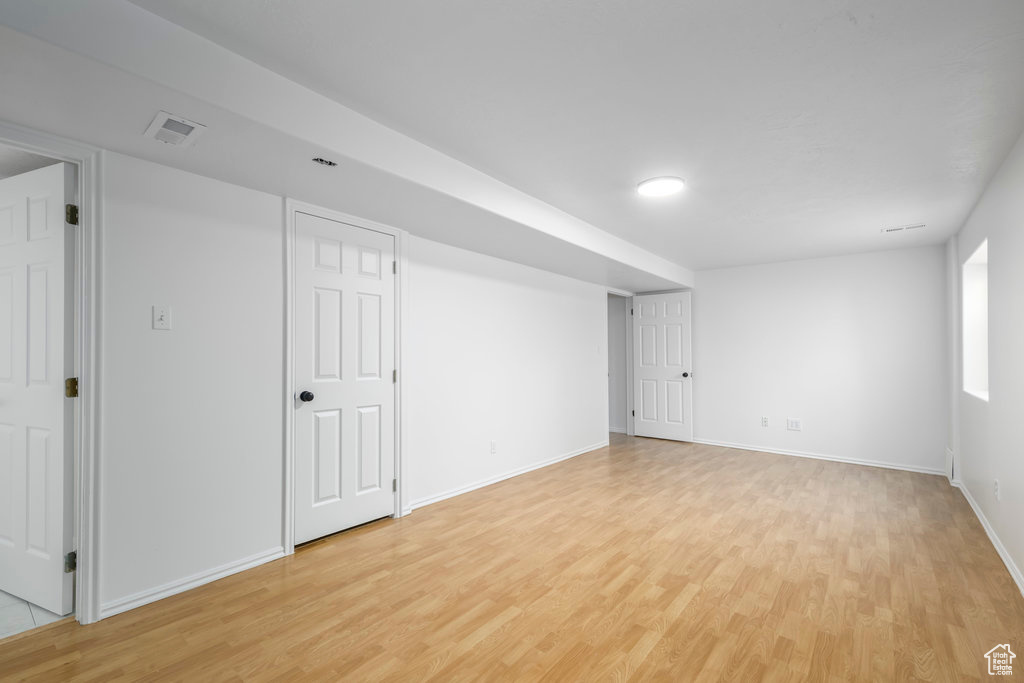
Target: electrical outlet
794, 424
494, 447
764, 421
995, 488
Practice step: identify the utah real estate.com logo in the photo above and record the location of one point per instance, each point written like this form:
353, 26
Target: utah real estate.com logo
1000, 660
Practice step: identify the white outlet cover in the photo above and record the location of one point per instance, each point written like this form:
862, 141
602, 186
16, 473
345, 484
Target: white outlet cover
794, 424
161, 317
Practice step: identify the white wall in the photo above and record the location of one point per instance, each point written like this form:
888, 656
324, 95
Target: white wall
992, 432
855, 346
191, 456
618, 315
497, 351
954, 349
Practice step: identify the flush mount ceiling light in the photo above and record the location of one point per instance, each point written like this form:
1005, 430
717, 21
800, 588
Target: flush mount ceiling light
660, 187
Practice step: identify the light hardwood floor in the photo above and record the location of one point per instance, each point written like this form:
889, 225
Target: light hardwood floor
645, 560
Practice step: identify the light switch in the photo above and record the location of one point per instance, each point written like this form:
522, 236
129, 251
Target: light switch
161, 317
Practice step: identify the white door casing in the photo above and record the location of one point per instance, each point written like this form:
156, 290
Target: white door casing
36, 355
662, 373
344, 355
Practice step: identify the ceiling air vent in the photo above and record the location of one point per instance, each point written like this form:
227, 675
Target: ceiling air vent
174, 130
903, 228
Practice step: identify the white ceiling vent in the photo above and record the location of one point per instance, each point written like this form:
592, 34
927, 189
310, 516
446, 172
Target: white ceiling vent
174, 130
903, 228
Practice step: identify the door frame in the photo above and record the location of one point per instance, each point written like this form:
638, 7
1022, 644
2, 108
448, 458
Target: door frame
291, 207
628, 296
87, 353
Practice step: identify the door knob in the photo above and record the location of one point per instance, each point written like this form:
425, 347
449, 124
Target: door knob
306, 396
686, 374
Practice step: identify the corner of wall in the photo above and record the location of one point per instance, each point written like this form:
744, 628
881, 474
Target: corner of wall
1015, 572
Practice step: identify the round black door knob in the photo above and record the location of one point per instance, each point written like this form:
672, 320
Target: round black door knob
686, 374
306, 396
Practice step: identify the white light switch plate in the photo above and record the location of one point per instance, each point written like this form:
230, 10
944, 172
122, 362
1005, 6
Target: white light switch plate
794, 424
161, 317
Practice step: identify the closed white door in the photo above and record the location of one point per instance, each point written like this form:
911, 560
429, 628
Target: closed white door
36, 355
344, 365
662, 376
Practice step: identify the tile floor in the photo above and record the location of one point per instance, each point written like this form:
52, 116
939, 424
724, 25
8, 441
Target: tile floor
16, 615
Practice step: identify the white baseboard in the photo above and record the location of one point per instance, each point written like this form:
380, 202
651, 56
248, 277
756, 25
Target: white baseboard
1011, 566
168, 589
617, 430
821, 456
501, 477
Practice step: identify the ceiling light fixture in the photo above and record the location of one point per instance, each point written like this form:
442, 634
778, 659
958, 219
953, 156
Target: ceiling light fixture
660, 187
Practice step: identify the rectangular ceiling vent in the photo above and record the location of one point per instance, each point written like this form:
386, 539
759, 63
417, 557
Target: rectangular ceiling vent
903, 228
174, 130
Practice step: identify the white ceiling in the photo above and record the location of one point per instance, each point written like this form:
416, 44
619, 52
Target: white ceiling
14, 161
129, 64
803, 127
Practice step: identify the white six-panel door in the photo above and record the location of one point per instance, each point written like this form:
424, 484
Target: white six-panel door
36, 355
662, 382
344, 358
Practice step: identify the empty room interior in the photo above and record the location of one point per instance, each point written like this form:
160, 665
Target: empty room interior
406, 341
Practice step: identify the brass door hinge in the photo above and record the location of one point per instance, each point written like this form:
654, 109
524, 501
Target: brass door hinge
71, 387
71, 562
71, 214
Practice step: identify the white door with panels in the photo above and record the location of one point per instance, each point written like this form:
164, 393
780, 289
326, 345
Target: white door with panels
662, 375
36, 356
344, 430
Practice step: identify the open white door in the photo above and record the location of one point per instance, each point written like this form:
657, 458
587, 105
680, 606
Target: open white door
36, 355
662, 385
344, 381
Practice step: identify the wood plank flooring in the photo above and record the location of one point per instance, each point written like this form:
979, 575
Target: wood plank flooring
646, 560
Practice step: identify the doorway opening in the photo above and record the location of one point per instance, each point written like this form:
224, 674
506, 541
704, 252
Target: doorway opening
619, 364
38, 329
